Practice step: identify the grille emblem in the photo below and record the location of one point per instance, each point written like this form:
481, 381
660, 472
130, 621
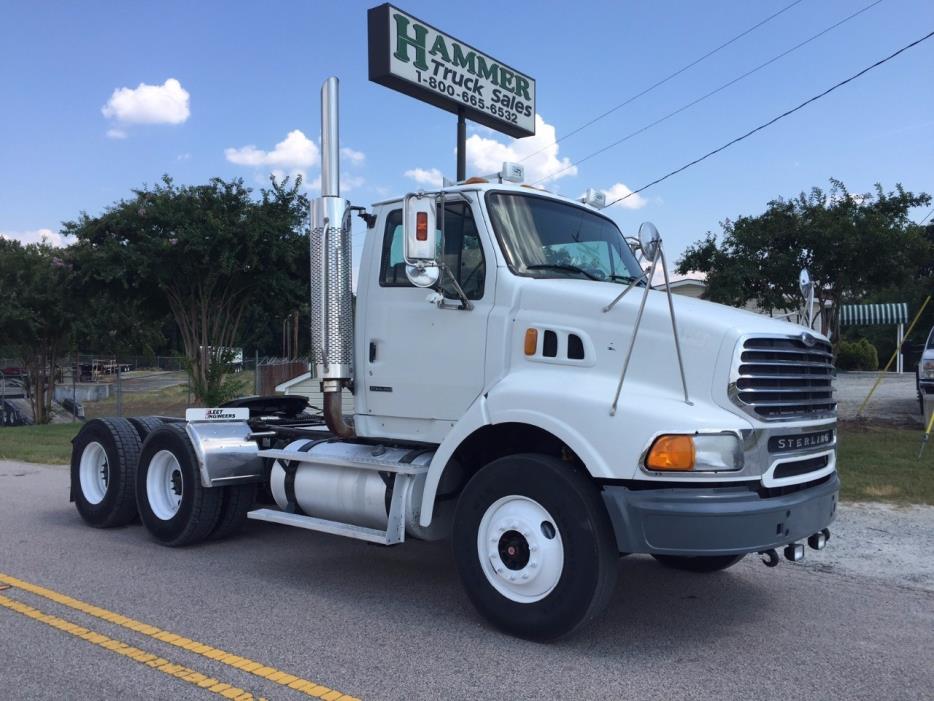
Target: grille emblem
808, 339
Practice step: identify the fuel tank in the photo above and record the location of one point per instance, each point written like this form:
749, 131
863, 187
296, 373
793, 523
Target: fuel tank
348, 494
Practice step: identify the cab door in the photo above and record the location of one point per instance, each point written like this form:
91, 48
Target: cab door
422, 360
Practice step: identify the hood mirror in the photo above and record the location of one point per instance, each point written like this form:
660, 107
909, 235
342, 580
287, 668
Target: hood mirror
649, 240
804, 283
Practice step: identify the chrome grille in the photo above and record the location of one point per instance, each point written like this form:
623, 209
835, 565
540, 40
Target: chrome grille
782, 378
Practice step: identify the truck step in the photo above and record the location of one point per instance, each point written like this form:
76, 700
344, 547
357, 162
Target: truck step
359, 463
321, 525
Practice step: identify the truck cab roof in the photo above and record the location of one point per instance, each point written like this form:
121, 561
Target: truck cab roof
484, 185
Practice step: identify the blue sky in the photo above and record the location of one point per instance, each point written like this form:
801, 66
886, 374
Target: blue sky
252, 73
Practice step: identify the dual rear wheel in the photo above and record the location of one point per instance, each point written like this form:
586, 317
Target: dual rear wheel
116, 475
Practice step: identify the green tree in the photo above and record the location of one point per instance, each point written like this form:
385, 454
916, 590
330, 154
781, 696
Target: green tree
36, 314
852, 245
205, 254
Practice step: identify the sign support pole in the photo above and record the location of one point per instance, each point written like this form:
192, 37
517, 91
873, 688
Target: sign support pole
461, 145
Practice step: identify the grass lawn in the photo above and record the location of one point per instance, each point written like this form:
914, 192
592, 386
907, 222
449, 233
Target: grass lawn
881, 464
49, 444
875, 463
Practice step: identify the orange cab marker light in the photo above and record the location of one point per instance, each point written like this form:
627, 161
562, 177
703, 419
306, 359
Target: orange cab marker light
421, 226
531, 341
671, 453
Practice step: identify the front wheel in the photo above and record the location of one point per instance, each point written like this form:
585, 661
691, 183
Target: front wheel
701, 563
534, 546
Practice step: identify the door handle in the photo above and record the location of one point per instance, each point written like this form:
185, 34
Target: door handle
372, 351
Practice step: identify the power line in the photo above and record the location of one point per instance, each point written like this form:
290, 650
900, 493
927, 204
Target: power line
711, 93
775, 119
926, 217
663, 80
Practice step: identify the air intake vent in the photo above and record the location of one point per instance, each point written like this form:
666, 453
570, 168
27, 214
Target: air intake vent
784, 378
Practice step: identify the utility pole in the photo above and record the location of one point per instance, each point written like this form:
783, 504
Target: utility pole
461, 145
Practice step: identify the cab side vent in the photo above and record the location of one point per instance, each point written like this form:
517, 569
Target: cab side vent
575, 347
550, 344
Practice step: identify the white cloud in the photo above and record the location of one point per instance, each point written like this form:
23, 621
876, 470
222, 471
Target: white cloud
430, 176
295, 151
35, 236
355, 157
294, 156
487, 155
619, 190
116, 133
183, 157
149, 104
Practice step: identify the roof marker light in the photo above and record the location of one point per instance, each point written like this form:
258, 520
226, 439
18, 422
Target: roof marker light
594, 198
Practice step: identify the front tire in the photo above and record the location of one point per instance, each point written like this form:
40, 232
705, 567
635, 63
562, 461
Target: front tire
534, 546
173, 505
701, 563
103, 472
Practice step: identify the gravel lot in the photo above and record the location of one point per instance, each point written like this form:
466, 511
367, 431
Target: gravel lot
894, 401
853, 621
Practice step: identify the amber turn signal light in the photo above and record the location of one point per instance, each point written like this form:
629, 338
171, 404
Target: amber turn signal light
671, 453
421, 226
531, 341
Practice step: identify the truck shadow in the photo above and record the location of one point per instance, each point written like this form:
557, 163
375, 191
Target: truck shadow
418, 586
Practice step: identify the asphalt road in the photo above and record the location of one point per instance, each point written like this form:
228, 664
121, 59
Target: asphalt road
393, 623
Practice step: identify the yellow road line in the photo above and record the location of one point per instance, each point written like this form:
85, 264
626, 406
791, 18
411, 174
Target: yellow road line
203, 681
309, 688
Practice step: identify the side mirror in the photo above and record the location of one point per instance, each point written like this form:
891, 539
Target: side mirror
419, 214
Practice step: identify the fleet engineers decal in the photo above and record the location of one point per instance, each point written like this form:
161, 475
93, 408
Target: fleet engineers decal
415, 58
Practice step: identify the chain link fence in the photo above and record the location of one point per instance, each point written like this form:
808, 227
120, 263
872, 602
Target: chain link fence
89, 385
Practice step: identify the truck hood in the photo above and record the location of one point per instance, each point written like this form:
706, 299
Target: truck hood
708, 331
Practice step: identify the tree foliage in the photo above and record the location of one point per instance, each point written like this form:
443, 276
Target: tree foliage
852, 245
205, 254
36, 314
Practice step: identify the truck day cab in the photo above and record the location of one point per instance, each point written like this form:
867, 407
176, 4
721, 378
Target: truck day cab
483, 354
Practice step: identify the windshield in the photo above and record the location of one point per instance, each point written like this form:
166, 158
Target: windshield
542, 237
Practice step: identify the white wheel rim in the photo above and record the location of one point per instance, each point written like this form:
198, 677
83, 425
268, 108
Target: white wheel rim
520, 549
164, 485
94, 472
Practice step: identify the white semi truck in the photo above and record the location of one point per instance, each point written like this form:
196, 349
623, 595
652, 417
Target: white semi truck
520, 389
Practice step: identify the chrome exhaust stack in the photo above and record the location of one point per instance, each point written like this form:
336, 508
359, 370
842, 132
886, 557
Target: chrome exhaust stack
331, 294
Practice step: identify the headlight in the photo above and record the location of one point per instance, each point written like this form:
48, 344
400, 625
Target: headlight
715, 453
700, 453
927, 369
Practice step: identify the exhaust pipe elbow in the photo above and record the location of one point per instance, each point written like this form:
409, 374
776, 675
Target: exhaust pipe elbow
334, 416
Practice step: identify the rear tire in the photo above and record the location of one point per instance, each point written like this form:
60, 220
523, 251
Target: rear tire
534, 546
145, 425
702, 563
173, 505
103, 472
236, 502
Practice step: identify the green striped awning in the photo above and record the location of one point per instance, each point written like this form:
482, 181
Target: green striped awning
867, 314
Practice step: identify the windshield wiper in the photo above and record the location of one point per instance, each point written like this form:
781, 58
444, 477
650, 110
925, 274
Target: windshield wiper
627, 278
568, 268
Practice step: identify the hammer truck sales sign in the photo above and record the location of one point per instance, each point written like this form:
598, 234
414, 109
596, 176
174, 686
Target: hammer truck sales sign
415, 58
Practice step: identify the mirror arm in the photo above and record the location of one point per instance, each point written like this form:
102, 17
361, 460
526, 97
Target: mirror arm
465, 304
